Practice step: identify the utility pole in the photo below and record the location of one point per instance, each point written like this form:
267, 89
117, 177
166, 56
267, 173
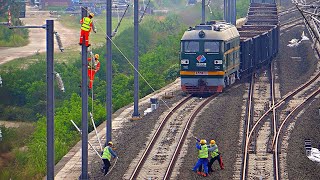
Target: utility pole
84, 96
234, 12
50, 94
109, 70
50, 100
203, 11
230, 12
225, 10
136, 114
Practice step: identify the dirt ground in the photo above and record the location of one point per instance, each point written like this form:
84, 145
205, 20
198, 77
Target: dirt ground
37, 37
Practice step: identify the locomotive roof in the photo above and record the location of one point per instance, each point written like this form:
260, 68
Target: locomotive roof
220, 31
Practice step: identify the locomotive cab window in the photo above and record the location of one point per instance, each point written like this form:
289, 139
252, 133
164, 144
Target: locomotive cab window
191, 46
211, 46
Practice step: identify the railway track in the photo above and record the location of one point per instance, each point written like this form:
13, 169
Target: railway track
256, 148
284, 132
260, 160
158, 159
291, 107
257, 133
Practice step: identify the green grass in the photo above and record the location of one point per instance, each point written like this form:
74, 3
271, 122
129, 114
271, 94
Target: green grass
25, 61
12, 37
13, 140
14, 41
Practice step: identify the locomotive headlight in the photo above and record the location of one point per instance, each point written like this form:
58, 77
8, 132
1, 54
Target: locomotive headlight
184, 61
202, 34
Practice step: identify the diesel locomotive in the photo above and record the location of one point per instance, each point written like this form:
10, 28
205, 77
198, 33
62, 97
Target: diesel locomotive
215, 54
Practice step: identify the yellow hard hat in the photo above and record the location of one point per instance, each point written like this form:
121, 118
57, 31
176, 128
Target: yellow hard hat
91, 14
212, 142
111, 143
96, 56
203, 141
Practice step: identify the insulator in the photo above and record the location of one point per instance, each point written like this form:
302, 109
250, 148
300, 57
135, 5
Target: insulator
60, 82
91, 54
92, 62
0, 81
9, 16
113, 34
91, 116
58, 38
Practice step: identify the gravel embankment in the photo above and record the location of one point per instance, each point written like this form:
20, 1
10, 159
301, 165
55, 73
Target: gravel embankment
295, 66
293, 72
131, 139
220, 122
306, 127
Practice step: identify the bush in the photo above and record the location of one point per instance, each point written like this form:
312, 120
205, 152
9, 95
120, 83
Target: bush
14, 37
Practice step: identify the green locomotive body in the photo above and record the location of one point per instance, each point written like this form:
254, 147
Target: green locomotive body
210, 57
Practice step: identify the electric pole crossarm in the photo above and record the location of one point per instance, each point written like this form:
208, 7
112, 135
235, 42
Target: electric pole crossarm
23, 27
4, 23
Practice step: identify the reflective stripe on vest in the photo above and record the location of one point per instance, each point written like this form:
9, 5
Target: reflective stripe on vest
215, 152
106, 153
203, 153
86, 24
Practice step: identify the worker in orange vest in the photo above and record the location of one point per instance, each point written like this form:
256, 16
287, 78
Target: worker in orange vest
93, 67
86, 26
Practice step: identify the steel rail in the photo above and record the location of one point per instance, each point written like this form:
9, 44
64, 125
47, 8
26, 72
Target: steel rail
291, 21
275, 146
184, 135
287, 96
155, 137
245, 153
275, 159
294, 7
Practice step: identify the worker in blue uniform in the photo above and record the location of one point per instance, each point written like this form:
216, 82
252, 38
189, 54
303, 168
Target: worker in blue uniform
202, 157
215, 155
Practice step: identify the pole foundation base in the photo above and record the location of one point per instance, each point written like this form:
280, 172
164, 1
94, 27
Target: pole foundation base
168, 95
134, 118
85, 178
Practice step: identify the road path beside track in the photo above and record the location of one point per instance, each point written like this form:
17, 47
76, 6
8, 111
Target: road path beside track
37, 37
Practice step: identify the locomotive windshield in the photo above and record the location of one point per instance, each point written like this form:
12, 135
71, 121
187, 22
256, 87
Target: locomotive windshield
191, 46
211, 46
